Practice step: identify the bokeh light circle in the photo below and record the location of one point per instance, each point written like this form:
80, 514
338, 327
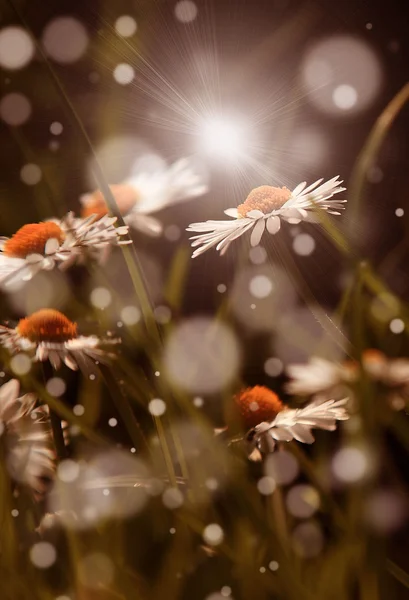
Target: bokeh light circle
342, 74
16, 48
186, 11
15, 109
125, 26
202, 355
65, 39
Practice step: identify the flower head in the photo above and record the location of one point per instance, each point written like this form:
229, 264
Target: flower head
50, 335
42, 246
26, 434
257, 404
264, 208
147, 193
295, 424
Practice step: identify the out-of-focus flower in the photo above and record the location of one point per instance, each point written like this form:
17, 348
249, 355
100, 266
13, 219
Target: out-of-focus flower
25, 432
323, 377
319, 376
264, 207
277, 423
148, 193
38, 246
52, 336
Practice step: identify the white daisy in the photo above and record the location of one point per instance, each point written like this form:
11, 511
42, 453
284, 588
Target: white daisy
26, 434
50, 335
41, 246
319, 375
264, 208
148, 193
296, 424
269, 420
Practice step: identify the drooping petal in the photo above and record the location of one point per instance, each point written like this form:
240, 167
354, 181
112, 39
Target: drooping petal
257, 232
273, 225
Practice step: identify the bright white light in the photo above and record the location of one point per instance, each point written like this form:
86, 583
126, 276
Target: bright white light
345, 96
16, 48
222, 138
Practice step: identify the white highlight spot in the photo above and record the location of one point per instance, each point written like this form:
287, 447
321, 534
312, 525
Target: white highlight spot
56, 128
261, 286
273, 367
101, 298
303, 244
213, 534
186, 11
350, 465
20, 364
399, 212
43, 555
157, 407
222, 138
68, 470
172, 498
125, 26
130, 315
266, 485
30, 174
345, 96
65, 39
56, 386
397, 326
124, 74
16, 48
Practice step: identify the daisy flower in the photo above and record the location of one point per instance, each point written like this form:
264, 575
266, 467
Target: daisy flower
148, 193
323, 377
26, 434
41, 246
270, 421
319, 376
50, 335
264, 208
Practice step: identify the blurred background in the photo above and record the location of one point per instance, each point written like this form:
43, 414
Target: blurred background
253, 92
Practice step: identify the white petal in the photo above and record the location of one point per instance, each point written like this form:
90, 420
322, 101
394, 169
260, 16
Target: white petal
232, 212
299, 188
255, 214
52, 246
257, 232
273, 225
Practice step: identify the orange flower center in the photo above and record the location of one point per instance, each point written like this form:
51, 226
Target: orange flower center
31, 239
125, 196
257, 404
47, 325
265, 198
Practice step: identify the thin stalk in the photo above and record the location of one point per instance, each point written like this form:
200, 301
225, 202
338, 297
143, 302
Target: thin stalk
166, 453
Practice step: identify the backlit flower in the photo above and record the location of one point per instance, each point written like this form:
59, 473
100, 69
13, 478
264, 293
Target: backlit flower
50, 335
263, 209
292, 424
148, 193
25, 433
318, 376
42, 246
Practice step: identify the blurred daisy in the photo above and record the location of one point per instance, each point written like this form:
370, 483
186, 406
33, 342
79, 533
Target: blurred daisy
271, 421
319, 376
148, 193
50, 335
25, 432
264, 208
38, 246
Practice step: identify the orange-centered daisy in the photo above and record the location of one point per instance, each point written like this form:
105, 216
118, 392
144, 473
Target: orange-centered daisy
125, 196
32, 239
265, 198
47, 325
257, 404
